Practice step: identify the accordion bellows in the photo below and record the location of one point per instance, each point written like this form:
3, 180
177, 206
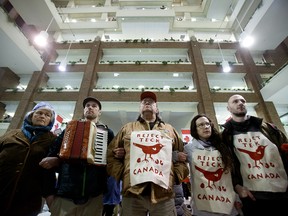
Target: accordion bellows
78, 141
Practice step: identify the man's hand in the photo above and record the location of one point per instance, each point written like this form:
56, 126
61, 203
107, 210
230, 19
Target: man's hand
243, 192
119, 153
49, 162
182, 157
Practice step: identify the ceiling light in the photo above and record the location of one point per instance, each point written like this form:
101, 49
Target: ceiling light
42, 38
246, 40
225, 66
116, 74
63, 64
175, 74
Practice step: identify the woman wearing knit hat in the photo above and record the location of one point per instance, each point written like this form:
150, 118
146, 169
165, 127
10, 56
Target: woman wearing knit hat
21, 150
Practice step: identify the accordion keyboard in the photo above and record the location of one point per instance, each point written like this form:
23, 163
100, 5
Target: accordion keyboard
100, 147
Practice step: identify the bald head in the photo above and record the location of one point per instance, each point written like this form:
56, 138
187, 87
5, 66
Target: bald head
237, 107
235, 97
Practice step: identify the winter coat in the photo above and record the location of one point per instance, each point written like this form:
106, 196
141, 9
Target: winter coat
23, 182
269, 130
120, 168
181, 208
80, 181
189, 149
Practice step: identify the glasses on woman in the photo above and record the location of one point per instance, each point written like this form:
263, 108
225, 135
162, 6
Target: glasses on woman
204, 125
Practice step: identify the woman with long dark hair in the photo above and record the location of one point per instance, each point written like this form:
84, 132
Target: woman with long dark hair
210, 164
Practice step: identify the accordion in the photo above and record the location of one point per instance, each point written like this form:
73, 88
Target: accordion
82, 141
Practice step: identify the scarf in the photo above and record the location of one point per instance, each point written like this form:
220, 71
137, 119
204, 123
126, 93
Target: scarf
33, 132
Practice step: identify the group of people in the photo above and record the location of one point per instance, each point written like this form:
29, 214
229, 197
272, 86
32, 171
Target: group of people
241, 170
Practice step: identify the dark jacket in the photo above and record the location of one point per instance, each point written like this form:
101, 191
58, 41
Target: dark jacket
269, 130
79, 181
22, 180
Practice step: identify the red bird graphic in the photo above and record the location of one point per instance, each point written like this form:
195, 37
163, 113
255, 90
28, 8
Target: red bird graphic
211, 176
255, 155
149, 150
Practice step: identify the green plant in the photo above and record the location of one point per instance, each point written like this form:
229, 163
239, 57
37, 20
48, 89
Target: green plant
72, 62
172, 90
267, 64
121, 89
59, 89
40, 89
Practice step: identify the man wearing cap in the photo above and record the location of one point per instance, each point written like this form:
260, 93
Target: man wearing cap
21, 150
141, 156
80, 185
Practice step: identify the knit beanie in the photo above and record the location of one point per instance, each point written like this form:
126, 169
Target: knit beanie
42, 105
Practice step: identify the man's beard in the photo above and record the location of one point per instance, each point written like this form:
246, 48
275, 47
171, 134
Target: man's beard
90, 116
240, 114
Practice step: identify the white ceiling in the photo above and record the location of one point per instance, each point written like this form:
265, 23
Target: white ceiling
268, 25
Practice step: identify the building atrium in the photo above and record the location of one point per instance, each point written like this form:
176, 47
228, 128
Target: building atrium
115, 49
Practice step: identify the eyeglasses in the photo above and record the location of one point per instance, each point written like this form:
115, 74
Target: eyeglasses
204, 125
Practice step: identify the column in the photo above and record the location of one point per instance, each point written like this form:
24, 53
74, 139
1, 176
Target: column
200, 78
